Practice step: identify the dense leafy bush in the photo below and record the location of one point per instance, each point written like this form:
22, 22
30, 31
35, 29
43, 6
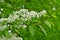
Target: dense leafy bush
29, 20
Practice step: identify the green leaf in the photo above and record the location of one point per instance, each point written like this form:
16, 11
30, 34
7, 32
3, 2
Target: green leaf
48, 24
52, 23
17, 31
7, 34
43, 30
54, 16
31, 29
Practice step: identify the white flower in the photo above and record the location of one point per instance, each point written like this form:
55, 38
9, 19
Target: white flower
1, 9
23, 10
3, 19
14, 37
26, 16
19, 38
54, 8
38, 15
33, 13
23, 25
43, 12
11, 38
12, 18
9, 31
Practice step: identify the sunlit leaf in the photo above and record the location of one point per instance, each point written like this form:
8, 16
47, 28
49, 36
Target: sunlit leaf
52, 23
54, 16
43, 30
31, 29
48, 24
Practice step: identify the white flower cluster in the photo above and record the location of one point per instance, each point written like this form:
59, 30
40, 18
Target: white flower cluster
13, 17
3, 19
25, 14
14, 37
22, 15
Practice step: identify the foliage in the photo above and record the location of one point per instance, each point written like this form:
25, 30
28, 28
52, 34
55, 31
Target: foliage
46, 27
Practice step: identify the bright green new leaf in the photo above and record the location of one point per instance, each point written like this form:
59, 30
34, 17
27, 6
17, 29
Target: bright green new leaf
48, 24
31, 29
43, 30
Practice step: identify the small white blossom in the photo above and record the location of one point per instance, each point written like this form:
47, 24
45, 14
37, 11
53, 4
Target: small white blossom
33, 14
23, 10
24, 19
20, 38
9, 31
12, 18
11, 38
43, 12
3, 19
26, 16
1, 9
38, 15
23, 26
54, 8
